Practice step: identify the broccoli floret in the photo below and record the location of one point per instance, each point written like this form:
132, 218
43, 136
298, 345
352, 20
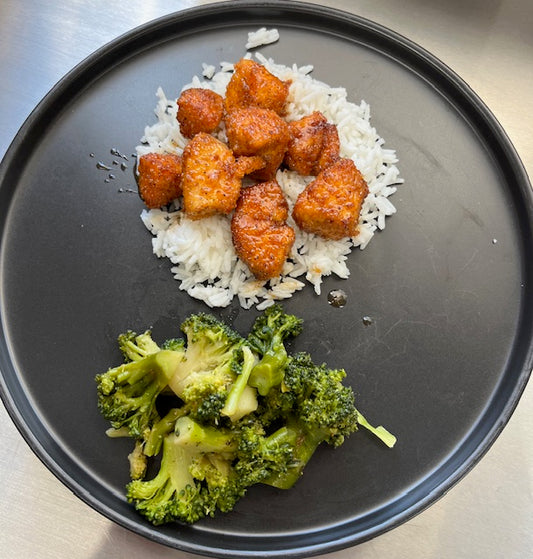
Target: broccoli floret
206, 396
195, 476
319, 408
127, 393
138, 461
208, 359
222, 485
306, 441
266, 338
175, 344
173, 493
212, 467
136, 346
275, 407
322, 402
209, 341
261, 457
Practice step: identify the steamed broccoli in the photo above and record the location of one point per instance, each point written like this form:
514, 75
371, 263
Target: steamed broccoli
235, 412
221, 482
195, 477
322, 409
172, 494
211, 366
321, 402
204, 468
154, 437
138, 461
175, 344
241, 399
210, 344
262, 457
266, 338
127, 394
136, 346
202, 438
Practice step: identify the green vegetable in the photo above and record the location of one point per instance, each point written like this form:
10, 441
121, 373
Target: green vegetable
241, 398
215, 413
388, 438
127, 393
262, 457
135, 347
154, 437
173, 493
266, 338
195, 477
211, 365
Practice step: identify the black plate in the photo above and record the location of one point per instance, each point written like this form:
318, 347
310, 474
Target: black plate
448, 284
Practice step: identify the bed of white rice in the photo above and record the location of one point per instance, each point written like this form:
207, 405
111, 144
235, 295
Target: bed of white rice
202, 254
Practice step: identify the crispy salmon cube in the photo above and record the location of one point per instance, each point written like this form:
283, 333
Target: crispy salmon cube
261, 237
252, 85
199, 110
211, 177
159, 178
248, 165
330, 205
314, 144
258, 132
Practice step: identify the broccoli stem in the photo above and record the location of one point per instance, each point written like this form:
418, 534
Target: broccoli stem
203, 438
238, 401
163, 427
162, 364
269, 371
305, 443
284, 435
173, 476
385, 436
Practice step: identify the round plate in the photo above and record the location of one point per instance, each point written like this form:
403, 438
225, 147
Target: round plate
447, 285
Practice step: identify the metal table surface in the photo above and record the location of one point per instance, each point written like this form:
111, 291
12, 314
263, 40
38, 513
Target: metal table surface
489, 43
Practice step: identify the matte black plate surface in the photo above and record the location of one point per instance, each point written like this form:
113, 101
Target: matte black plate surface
448, 284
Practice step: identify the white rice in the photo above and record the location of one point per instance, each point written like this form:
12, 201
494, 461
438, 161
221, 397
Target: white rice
261, 37
205, 263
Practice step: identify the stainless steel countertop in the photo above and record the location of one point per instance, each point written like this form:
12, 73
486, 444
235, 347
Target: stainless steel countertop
489, 43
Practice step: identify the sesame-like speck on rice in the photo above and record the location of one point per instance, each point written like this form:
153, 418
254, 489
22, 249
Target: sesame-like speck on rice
201, 251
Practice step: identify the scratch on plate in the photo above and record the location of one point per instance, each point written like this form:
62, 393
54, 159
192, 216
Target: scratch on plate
469, 261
